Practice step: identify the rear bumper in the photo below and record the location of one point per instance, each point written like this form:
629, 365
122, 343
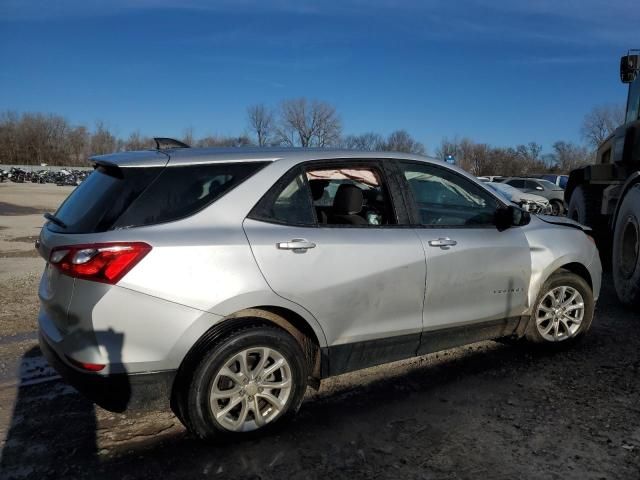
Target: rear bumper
114, 392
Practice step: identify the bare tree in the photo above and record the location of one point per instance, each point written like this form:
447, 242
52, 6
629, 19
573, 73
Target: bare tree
534, 151
102, 140
187, 136
401, 141
528, 157
367, 141
482, 159
218, 141
476, 157
308, 124
569, 156
261, 122
447, 148
138, 142
601, 122
78, 139
9, 141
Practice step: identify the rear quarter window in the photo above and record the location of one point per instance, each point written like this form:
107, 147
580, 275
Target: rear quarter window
181, 191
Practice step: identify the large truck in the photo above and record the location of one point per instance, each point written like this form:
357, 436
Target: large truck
606, 195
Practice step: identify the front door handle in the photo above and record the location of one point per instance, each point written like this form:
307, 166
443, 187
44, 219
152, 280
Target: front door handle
297, 245
443, 242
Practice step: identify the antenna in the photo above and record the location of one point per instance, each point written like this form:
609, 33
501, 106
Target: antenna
163, 143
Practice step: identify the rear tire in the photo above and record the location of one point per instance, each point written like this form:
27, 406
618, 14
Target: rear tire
584, 207
563, 311
261, 370
626, 249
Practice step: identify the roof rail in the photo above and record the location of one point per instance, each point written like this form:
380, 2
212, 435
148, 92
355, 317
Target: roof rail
163, 143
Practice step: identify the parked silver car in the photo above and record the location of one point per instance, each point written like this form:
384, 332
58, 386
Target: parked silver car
527, 201
227, 281
543, 188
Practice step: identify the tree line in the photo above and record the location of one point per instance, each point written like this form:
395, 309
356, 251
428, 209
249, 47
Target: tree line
38, 138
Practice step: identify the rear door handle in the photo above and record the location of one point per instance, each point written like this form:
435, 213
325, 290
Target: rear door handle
297, 244
443, 242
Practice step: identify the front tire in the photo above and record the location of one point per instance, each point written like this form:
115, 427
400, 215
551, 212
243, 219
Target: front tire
563, 311
557, 208
626, 249
249, 381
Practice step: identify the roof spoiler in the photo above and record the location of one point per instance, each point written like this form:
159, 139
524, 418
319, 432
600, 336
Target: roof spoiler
163, 143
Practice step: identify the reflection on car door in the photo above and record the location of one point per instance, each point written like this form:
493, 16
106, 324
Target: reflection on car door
475, 273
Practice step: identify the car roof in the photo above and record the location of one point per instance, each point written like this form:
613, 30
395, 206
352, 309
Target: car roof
195, 156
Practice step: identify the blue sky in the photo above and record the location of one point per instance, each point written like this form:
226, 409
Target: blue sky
498, 71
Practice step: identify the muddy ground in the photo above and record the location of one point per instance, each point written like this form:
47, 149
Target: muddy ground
484, 411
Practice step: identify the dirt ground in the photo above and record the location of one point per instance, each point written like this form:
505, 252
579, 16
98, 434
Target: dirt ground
484, 411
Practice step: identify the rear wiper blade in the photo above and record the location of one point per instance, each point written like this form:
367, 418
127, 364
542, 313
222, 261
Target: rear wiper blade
52, 218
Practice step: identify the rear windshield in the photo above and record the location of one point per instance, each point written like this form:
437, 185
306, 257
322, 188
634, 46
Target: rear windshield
99, 201
127, 197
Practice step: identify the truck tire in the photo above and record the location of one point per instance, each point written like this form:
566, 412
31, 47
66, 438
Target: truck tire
626, 249
583, 206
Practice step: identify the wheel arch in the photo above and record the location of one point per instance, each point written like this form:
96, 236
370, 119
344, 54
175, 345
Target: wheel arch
286, 319
632, 181
294, 324
578, 269
568, 264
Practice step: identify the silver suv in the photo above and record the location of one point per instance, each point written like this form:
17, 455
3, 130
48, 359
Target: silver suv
224, 282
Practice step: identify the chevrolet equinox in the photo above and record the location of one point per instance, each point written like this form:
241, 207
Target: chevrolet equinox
224, 282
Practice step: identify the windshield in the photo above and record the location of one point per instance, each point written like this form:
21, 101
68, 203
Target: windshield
633, 101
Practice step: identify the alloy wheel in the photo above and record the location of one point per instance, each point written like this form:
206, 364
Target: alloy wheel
251, 389
560, 313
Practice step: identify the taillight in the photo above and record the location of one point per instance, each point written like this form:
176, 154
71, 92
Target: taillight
100, 262
90, 367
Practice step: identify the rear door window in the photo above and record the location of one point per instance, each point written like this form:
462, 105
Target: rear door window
350, 195
292, 206
336, 195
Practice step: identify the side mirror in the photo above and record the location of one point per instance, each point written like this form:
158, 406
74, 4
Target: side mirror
539, 188
511, 216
